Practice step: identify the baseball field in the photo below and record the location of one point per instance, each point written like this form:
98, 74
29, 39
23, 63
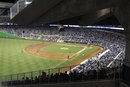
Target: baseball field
19, 55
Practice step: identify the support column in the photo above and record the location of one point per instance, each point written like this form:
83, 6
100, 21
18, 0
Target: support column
122, 12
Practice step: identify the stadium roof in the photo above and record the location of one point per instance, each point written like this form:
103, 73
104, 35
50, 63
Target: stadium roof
6, 4
8, 1
78, 20
66, 12
5, 9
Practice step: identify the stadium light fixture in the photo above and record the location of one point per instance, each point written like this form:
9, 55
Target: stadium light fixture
27, 2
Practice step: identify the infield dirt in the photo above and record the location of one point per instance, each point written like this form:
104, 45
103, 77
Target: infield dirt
35, 50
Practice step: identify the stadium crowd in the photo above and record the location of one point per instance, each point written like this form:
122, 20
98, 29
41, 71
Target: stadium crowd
104, 63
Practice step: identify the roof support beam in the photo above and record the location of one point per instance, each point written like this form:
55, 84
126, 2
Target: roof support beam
5, 5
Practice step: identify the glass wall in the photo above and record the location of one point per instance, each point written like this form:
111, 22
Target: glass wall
19, 6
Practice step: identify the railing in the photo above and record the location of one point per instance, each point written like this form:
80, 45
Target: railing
60, 75
19, 6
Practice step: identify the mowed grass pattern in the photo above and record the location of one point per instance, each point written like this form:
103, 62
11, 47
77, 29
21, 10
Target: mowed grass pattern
14, 60
62, 48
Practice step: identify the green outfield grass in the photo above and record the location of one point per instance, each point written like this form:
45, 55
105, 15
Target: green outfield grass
14, 60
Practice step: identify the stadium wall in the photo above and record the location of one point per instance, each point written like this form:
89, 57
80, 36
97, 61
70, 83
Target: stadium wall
102, 83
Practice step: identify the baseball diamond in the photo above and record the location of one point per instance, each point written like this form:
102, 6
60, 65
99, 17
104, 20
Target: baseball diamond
28, 55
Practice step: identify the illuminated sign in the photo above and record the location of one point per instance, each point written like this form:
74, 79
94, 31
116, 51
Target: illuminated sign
91, 27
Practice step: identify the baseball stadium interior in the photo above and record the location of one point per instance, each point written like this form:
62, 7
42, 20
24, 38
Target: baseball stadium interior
64, 43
